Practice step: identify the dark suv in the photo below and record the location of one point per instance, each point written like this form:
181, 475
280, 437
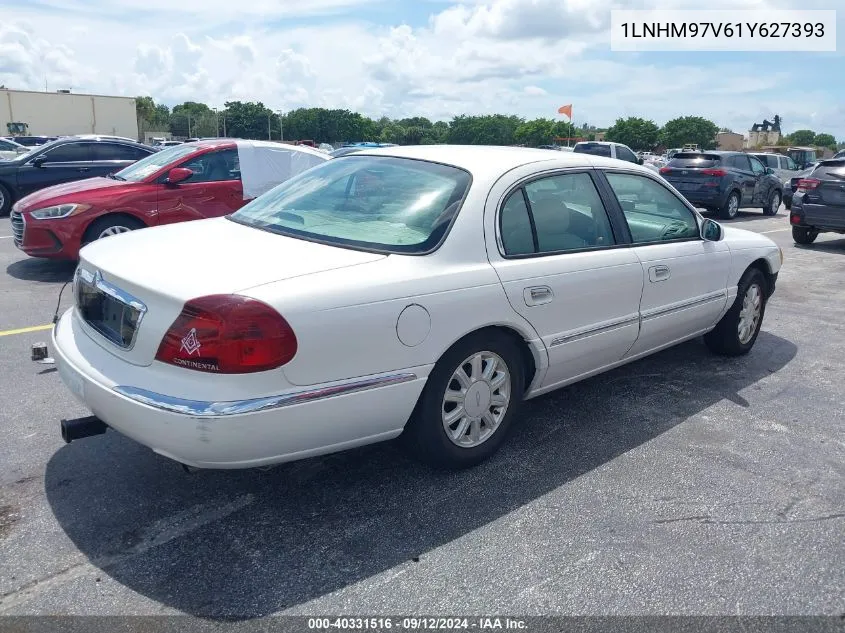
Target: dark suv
724, 182
819, 203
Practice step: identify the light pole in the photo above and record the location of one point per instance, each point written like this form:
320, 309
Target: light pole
216, 123
281, 126
269, 138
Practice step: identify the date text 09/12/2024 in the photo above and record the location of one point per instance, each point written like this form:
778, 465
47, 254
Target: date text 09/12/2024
416, 623
654, 30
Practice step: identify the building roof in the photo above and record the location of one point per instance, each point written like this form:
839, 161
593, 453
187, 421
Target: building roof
66, 94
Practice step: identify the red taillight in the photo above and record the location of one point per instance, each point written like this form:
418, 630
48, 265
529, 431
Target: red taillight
795, 219
228, 334
808, 183
665, 170
714, 172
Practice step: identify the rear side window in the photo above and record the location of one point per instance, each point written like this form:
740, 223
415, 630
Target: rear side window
115, 151
563, 213
687, 161
596, 149
741, 161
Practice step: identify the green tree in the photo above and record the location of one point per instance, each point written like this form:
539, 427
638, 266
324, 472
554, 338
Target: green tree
535, 132
493, 129
825, 140
636, 133
802, 137
689, 129
145, 108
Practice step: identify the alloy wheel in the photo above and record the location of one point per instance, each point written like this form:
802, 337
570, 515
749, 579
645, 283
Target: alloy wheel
749, 316
476, 399
113, 230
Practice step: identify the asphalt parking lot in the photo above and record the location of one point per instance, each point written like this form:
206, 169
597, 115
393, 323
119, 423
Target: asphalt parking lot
681, 484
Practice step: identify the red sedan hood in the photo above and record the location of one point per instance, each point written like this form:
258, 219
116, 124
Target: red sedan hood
38, 199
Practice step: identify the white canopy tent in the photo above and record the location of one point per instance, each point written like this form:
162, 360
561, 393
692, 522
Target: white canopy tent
265, 164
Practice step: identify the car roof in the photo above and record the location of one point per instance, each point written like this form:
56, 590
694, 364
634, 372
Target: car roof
489, 160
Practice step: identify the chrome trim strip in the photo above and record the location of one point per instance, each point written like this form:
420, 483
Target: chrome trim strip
658, 312
568, 338
206, 409
121, 296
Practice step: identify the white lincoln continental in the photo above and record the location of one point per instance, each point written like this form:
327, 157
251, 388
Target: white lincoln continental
421, 292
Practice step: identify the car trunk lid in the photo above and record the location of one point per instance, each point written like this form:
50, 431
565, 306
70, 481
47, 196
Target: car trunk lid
130, 288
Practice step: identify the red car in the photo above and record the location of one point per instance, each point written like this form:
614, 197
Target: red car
186, 182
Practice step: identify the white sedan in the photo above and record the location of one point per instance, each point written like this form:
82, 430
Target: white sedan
422, 292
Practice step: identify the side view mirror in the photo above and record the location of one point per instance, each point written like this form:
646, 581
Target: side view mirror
639, 161
178, 174
711, 231
769, 170
38, 162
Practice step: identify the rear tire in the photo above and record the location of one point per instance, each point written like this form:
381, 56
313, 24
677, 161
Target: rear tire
736, 333
730, 209
110, 225
457, 423
773, 205
804, 235
5, 201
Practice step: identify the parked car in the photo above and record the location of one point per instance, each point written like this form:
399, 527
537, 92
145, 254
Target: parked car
790, 185
417, 292
724, 182
819, 203
185, 182
802, 156
783, 166
343, 151
62, 161
608, 150
10, 149
840, 154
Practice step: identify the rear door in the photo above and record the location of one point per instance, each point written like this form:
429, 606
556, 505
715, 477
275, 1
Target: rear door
214, 190
685, 277
744, 177
62, 163
558, 256
108, 157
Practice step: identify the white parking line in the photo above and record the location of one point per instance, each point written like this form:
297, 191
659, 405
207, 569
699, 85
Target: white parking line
6, 237
775, 231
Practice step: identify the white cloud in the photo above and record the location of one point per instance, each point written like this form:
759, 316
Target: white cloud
534, 91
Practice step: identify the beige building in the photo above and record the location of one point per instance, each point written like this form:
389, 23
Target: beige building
730, 141
64, 113
765, 133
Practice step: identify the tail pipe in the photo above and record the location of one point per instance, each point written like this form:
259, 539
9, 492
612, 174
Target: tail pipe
79, 428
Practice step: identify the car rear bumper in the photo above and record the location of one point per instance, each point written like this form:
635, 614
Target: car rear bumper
703, 197
237, 434
819, 216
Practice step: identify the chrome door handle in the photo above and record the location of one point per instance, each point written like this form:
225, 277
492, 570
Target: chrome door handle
659, 273
537, 295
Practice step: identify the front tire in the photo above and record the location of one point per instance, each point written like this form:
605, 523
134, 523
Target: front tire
773, 205
731, 207
803, 235
467, 407
736, 333
5, 201
110, 225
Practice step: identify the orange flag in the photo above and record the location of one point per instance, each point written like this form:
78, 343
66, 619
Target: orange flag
567, 110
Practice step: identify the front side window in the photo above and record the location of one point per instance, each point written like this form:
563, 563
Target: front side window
387, 204
790, 164
216, 166
625, 154
563, 213
653, 213
153, 163
68, 153
756, 166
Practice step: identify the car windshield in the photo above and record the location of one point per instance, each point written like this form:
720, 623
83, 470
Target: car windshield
136, 172
387, 204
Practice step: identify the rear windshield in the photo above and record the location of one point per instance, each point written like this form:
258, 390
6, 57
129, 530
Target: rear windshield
832, 170
692, 160
386, 204
596, 149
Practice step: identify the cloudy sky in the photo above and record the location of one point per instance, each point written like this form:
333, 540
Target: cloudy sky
435, 58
